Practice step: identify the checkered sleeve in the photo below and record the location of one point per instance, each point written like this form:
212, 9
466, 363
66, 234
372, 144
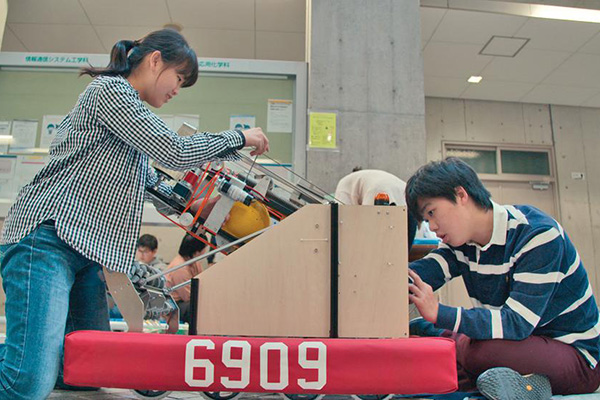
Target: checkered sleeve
121, 110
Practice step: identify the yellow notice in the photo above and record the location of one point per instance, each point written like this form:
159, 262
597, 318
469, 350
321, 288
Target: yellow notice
322, 130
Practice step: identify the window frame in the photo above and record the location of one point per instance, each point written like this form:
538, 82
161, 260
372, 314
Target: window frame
500, 176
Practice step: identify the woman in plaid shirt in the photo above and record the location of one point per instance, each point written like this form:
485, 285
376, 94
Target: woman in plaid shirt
83, 210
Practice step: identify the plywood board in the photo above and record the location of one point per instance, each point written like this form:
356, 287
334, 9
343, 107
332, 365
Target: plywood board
373, 259
279, 283
276, 285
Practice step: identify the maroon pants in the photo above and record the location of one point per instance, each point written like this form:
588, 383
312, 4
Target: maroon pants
567, 369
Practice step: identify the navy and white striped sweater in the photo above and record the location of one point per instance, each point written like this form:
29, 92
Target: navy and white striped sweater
529, 280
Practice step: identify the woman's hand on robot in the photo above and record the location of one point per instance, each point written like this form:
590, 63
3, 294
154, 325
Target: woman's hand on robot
256, 138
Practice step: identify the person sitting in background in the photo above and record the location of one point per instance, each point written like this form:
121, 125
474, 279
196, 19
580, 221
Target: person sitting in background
534, 327
189, 248
362, 185
147, 247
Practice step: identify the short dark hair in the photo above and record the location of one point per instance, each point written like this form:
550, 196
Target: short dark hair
190, 245
148, 241
440, 179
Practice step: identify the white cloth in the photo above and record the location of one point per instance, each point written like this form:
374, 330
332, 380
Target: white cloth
361, 187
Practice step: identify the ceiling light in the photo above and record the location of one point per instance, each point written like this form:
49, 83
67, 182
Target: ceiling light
565, 13
474, 79
525, 9
173, 25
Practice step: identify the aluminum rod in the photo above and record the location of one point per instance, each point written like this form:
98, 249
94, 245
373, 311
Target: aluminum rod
203, 256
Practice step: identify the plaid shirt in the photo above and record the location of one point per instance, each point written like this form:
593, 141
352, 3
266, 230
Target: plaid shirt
93, 186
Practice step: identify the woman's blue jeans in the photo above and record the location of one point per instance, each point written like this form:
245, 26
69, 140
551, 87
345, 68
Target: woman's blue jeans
50, 290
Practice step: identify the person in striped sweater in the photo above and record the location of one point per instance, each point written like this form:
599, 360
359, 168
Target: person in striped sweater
534, 326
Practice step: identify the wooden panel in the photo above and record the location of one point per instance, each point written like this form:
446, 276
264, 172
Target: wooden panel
276, 285
538, 129
373, 285
494, 122
279, 283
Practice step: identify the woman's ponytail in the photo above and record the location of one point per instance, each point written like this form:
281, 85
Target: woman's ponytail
126, 55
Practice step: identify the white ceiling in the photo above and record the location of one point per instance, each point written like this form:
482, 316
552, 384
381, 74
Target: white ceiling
255, 29
560, 64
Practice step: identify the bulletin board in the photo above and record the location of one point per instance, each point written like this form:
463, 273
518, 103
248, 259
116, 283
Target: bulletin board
42, 88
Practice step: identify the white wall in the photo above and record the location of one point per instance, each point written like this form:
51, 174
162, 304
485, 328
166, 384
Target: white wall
576, 143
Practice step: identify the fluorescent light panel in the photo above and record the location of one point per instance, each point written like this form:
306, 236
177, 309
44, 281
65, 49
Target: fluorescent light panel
520, 9
474, 79
565, 13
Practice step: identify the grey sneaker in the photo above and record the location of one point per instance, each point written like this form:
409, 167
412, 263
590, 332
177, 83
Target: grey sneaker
507, 384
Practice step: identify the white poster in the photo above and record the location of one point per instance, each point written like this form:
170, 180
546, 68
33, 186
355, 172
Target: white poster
27, 167
49, 125
7, 174
279, 116
24, 133
5, 128
5, 136
242, 122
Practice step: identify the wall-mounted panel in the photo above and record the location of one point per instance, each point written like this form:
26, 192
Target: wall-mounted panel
574, 200
494, 122
444, 120
590, 123
538, 128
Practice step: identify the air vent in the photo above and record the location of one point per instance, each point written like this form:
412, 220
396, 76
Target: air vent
503, 46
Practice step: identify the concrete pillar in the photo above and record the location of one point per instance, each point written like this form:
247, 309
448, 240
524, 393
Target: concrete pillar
365, 63
3, 14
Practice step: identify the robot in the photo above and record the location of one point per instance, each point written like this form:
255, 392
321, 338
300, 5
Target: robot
250, 198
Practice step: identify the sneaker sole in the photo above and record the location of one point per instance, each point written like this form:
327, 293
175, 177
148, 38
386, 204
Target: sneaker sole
507, 384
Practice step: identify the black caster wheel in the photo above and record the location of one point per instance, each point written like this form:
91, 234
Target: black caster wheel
373, 396
302, 396
220, 395
151, 394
